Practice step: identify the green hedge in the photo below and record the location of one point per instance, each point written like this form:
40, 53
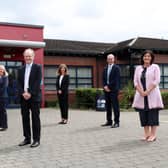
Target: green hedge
86, 98
51, 103
127, 95
165, 99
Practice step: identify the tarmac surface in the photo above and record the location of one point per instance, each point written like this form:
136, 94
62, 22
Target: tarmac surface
83, 143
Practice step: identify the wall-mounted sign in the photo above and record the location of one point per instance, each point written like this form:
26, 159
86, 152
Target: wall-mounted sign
7, 56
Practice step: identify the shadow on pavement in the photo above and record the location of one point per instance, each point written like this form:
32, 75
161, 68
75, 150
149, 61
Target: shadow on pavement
50, 125
125, 145
91, 129
14, 148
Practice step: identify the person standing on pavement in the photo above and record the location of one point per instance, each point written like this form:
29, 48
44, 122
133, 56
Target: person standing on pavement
3, 98
147, 100
62, 84
111, 86
29, 81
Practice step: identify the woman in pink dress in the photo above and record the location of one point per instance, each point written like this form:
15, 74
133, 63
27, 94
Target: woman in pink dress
147, 99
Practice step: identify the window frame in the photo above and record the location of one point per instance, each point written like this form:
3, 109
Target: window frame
76, 83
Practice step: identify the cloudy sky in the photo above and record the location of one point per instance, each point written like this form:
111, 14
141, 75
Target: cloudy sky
91, 20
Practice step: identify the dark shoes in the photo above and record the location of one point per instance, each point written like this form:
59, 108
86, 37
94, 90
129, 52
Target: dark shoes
3, 129
35, 144
106, 124
116, 125
63, 122
25, 142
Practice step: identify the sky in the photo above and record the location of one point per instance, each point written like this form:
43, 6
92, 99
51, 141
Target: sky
91, 20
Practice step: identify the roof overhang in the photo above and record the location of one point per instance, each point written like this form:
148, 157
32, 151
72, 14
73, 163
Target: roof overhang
20, 43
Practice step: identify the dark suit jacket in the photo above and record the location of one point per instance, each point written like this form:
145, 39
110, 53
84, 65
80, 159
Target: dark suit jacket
35, 79
3, 86
114, 78
64, 84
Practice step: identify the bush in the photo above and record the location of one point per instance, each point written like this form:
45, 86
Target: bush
86, 98
51, 103
127, 95
165, 99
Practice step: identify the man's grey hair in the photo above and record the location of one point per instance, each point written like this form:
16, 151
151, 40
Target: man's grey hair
30, 51
110, 55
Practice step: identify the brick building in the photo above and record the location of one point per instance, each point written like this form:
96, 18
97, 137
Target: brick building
14, 39
85, 60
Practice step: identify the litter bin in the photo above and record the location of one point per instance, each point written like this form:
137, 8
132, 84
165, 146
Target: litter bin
100, 103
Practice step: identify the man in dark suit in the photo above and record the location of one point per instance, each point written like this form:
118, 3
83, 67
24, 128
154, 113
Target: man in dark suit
29, 81
111, 85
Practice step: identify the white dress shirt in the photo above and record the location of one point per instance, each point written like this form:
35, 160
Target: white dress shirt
108, 72
60, 80
26, 77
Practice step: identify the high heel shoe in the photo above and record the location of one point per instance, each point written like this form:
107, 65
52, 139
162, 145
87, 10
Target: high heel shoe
151, 139
145, 138
61, 122
65, 122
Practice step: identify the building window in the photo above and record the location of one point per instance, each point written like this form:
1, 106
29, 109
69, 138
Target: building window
80, 77
125, 74
50, 77
164, 76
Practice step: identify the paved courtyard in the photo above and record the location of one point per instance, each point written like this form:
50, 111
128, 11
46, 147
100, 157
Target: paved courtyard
83, 143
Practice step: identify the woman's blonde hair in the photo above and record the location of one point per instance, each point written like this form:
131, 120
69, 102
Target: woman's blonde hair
5, 72
62, 66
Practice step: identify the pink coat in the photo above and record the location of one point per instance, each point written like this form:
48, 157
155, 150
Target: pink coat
152, 77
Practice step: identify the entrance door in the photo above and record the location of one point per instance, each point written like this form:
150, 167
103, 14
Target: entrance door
12, 90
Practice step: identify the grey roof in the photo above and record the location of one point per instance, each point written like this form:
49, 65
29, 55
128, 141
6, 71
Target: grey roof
69, 46
141, 43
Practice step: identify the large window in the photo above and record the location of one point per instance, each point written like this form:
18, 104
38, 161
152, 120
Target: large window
164, 76
125, 74
80, 77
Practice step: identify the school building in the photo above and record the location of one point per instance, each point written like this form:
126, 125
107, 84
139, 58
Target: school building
85, 60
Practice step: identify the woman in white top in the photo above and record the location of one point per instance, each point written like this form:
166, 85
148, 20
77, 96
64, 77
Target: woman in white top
62, 84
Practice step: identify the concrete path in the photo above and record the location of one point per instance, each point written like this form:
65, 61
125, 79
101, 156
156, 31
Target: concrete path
83, 143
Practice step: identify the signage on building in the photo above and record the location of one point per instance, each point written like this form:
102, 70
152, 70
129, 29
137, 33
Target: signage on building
7, 56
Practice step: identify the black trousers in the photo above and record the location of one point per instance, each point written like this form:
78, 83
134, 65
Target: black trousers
34, 107
63, 104
112, 102
3, 114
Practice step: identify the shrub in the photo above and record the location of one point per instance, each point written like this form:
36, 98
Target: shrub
51, 103
165, 99
86, 98
127, 95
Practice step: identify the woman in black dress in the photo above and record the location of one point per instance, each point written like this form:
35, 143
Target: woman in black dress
147, 99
